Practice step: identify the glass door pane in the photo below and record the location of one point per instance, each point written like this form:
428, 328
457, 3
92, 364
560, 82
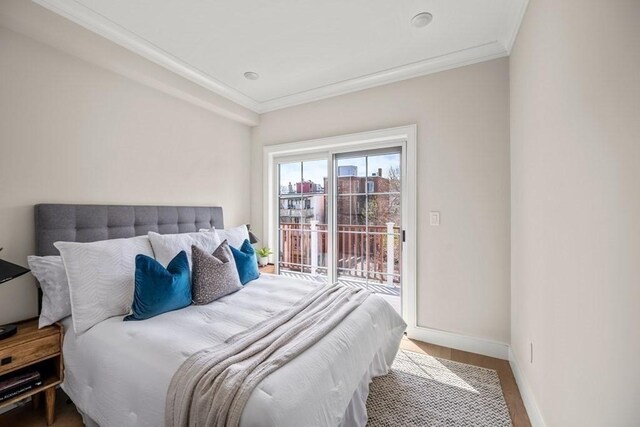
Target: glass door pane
384, 219
368, 215
302, 218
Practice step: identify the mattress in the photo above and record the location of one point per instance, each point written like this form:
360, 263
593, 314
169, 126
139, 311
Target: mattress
118, 373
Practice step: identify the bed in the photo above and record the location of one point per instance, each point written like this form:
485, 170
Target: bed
118, 373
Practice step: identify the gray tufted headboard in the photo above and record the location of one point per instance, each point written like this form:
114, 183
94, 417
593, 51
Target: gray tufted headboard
89, 223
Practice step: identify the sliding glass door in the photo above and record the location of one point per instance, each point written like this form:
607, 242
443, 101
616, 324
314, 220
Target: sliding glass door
339, 219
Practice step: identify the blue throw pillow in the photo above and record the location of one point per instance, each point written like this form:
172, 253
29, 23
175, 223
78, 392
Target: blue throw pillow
159, 289
246, 262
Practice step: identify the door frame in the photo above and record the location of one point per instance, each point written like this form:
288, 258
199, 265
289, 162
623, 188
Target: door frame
404, 136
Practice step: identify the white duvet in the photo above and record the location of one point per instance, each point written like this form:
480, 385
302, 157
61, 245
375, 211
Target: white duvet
118, 372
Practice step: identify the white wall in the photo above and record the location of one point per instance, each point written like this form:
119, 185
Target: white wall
72, 132
43, 25
463, 156
575, 161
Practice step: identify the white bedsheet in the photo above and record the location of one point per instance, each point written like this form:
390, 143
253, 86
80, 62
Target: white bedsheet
118, 372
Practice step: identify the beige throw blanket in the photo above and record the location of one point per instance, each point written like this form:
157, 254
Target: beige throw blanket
212, 386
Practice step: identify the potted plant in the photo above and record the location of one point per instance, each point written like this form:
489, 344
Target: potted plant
263, 255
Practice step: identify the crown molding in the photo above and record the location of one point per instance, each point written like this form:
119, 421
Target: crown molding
99, 24
92, 21
519, 17
473, 55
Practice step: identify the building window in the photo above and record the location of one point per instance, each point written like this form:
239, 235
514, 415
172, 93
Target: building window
370, 187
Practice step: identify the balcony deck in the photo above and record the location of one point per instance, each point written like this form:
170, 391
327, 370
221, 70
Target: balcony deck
389, 293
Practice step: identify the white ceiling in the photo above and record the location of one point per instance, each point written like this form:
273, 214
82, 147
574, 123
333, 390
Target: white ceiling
303, 50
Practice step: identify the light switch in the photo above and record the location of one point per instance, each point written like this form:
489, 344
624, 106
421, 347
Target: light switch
434, 218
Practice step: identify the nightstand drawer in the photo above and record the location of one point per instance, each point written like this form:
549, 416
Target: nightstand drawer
25, 353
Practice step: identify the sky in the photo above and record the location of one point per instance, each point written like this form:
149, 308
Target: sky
316, 170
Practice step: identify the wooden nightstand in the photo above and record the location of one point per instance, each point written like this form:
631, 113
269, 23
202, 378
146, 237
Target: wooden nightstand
37, 349
269, 268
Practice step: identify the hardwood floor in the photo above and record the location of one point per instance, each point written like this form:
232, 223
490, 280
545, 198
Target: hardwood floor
67, 416
25, 416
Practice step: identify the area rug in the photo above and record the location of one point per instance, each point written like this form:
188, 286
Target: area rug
421, 390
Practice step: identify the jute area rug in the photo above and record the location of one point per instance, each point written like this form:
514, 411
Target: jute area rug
421, 390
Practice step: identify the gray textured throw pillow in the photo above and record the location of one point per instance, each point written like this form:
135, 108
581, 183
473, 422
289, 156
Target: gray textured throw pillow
56, 303
213, 276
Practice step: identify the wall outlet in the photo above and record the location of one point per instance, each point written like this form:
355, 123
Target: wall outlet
434, 218
530, 352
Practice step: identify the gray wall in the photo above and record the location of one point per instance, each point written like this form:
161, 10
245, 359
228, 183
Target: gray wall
73, 132
463, 157
575, 164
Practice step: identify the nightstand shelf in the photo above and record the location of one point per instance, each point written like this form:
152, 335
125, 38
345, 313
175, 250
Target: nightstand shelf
34, 349
50, 382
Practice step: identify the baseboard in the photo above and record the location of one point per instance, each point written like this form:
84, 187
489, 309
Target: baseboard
535, 416
460, 342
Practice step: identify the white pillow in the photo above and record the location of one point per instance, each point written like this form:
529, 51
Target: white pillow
50, 273
234, 236
101, 277
167, 246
